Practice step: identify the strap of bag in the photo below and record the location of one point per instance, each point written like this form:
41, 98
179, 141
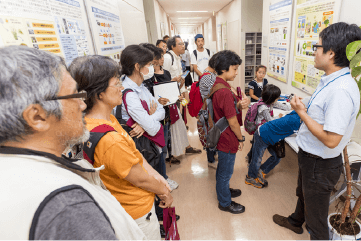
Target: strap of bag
209, 52
95, 135
171, 57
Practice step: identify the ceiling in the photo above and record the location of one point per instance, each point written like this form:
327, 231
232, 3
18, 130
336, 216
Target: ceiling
191, 20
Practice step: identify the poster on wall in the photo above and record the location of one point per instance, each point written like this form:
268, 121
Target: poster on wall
311, 18
224, 36
106, 27
280, 12
57, 26
219, 37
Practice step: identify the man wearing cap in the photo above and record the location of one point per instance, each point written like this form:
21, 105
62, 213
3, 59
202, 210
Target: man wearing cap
200, 57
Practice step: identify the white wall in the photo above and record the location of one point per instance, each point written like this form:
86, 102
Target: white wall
251, 16
208, 38
350, 11
132, 14
161, 17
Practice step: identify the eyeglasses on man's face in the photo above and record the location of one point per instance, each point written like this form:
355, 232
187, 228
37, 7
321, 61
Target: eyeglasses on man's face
119, 84
81, 95
315, 46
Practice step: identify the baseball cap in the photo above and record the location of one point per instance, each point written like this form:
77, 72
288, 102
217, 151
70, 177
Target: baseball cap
198, 36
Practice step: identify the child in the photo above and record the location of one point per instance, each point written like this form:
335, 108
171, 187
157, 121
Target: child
270, 96
266, 135
256, 86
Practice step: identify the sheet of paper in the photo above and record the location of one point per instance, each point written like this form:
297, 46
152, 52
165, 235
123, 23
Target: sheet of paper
185, 74
167, 90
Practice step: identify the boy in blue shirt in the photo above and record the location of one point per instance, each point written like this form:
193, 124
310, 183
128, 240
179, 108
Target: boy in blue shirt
266, 135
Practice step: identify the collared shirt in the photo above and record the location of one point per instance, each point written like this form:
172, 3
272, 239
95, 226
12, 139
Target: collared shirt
336, 108
150, 123
175, 70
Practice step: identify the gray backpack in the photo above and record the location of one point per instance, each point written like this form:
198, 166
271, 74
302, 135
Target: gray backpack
213, 130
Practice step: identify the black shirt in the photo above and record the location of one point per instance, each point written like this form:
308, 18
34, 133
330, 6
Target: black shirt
257, 90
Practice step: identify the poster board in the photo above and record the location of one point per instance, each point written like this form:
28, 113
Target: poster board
57, 26
219, 37
224, 36
311, 17
280, 12
106, 28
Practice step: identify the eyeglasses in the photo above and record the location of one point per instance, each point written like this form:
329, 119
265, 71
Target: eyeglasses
117, 85
81, 95
315, 46
181, 43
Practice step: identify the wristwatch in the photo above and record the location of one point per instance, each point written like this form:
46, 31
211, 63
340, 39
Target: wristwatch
243, 139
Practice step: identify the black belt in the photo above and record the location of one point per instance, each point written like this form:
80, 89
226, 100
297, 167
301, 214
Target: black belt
309, 154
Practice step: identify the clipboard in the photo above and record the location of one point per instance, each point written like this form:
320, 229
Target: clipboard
167, 90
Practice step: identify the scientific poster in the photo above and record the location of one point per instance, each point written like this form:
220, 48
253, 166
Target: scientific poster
224, 36
280, 12
106, 28
311, 18
37, 24
219, 37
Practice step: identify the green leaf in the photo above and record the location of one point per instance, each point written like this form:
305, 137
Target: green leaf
356, 72
352, 48
355, 60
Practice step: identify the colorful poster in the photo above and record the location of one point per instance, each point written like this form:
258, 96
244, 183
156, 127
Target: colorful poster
46, 25
106, 28
311, 18
280, 12
224, 36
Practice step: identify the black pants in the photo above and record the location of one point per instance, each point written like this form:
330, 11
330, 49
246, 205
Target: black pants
316, 179
188, 79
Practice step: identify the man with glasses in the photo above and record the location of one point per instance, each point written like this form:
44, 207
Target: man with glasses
46, 195
327, 124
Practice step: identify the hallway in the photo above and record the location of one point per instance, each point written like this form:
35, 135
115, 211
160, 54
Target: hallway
196, 202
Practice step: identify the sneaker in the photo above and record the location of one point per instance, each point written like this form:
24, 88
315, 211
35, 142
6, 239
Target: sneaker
172, 184
191, 150
234, 208
261, 177
254, 182
261, 174
212, 165
283, 222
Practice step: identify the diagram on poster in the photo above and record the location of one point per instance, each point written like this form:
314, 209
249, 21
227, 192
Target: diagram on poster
224, 36
280, 12
311, 18
56, 26
106, 28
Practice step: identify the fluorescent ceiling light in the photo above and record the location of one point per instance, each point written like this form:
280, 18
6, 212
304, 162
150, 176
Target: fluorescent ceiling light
192, 11
192, 18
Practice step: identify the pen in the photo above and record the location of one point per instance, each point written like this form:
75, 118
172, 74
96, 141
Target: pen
161, 97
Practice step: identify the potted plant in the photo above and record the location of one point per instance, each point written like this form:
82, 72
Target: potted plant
344, 225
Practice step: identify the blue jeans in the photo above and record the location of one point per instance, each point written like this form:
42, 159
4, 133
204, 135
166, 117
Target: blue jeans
223, 175
258, 149
163, 155
210, 155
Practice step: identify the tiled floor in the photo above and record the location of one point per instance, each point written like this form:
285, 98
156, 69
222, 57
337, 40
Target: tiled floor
196, 202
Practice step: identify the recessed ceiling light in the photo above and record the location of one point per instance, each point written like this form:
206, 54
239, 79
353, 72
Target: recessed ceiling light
192, 11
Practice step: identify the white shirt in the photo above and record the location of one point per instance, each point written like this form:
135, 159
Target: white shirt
175, 70
201, 61
186, 57
336, 108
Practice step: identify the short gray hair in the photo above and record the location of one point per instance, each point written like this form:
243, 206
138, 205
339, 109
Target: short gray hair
27, 76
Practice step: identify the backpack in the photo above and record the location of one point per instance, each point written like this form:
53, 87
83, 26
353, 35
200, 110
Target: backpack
195, 54
95, 135
171, 55
250, 121
195, 97
213, 130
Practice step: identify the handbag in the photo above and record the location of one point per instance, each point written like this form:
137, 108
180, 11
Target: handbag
170, 224
279, 148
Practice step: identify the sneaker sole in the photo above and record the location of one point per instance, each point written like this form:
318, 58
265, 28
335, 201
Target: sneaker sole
248, 183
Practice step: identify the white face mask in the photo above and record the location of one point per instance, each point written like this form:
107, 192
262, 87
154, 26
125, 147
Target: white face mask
150, 73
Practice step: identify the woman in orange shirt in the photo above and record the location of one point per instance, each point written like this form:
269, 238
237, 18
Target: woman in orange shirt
127, 175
